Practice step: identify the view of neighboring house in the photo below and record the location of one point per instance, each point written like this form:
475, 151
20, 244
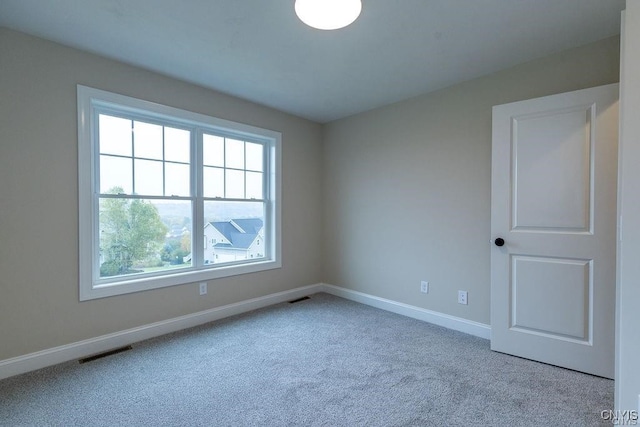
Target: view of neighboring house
233, 240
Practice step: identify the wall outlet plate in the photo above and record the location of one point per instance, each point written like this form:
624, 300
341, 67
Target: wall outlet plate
462, 297
203, 288
424, 287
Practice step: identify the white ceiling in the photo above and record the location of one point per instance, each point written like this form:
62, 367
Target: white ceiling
260, 51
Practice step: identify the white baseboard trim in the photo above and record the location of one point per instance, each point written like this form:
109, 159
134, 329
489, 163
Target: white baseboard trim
80, 349
42, 359
451, 322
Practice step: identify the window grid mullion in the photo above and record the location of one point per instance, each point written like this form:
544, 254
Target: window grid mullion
221, 199
142, 197
133, 161
164, 169
224, 168
197, 191
244, 164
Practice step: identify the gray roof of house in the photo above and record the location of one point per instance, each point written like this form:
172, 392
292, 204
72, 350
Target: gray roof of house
226, 228
238, 239
249, 225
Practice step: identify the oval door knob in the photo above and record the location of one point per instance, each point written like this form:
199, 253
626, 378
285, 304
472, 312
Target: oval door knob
499, 241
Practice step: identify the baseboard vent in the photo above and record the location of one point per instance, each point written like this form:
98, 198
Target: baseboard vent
298, 300
105, 354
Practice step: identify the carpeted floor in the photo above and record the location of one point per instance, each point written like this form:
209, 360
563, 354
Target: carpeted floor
324, 361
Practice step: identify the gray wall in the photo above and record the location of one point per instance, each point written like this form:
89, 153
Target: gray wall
39, 306
407, 186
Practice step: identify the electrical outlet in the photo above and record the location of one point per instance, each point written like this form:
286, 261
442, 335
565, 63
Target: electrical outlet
462, 297
203, 288
424, 287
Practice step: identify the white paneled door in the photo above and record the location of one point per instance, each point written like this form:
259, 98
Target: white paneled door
553, 225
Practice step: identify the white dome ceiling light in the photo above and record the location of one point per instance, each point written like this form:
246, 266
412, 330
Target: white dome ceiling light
328, 14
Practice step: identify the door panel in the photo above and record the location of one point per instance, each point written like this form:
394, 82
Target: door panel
562, 286
551, 169
554, 203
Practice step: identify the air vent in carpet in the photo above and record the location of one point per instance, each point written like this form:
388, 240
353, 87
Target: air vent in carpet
105, 354
298, 300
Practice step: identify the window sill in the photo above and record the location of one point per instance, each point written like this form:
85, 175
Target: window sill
103, 290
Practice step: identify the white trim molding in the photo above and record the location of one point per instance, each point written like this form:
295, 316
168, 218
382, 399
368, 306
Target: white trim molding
450, 322
42, 359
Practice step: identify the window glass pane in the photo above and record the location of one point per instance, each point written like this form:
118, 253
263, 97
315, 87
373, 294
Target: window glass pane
213, 182
212, 150
148, 177
176, 145
147, 140
115, 135
116, 175
176, 179
143, 236
234, 184
234, 154
237, 228
254, 185
254, 156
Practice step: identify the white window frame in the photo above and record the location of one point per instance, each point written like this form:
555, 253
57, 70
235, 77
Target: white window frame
91, 286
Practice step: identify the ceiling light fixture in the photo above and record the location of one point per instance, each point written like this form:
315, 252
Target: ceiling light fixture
328, 14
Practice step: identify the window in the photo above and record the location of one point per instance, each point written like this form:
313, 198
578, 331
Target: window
155, 183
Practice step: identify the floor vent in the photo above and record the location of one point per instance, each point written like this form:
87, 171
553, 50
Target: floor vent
298, 300
105, 354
